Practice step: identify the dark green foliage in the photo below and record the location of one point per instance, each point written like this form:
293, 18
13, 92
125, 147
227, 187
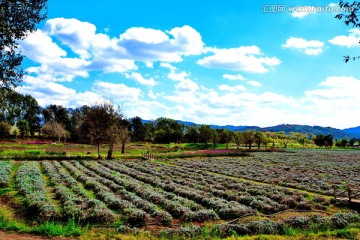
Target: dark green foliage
4, 130
168, 130
17, 19
24, 128
324, 141
17, 107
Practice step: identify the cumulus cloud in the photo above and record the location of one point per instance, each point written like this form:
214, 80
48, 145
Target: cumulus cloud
39, 47
233, 77
247, 59
74, 33
254, 83
309, 47
352, 40
98, 52
46, 92
116, 91
140, 79
186, 85
335, 101
144, 44
302, 11
228, 88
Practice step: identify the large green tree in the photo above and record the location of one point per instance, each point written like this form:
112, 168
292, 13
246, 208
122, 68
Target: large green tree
16, 107
168, 130
205, 134
99, 125
17, 19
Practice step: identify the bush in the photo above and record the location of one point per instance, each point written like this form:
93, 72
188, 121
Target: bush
164, 218
298, 222
263, 227
135, 217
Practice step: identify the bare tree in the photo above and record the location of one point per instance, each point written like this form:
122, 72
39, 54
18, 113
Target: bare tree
54, 130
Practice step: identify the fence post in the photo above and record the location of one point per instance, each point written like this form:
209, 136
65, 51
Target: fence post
334, 186
349, 193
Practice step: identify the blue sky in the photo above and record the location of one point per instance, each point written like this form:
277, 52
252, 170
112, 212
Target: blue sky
214, 62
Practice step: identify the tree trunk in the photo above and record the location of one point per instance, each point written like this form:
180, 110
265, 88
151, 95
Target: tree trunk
98, 147
227, 146
110, 152
123, 147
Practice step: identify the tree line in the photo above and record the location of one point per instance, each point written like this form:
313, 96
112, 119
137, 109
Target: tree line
103, 123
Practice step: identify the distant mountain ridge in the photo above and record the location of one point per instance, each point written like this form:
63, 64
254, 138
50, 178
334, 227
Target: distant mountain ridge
355, 131
287, 128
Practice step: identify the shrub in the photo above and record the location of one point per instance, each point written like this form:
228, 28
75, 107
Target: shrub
135, 217
263, 227
298, 222
164, 218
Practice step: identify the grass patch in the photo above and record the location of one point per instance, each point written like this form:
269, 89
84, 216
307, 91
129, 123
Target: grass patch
53, 229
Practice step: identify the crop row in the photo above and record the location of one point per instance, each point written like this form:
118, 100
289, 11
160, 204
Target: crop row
30, 184
225, 209
254, 196
73, 197
5, 172
315, 171
177, 206
265, 198
98, 185
315, 223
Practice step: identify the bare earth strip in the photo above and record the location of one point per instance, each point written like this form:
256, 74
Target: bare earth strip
16, 236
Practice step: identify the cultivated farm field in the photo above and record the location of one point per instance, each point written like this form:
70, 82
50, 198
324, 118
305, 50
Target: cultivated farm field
265, 193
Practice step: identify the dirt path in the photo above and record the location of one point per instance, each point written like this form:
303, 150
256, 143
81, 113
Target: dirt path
16, 236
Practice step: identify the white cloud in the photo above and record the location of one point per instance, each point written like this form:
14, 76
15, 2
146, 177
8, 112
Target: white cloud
149, 64
144, 35
140, 79
186, 85
152, 95
73, 33
144, 44
335, 102
224, 87
233, 77
239, 59
167, 65
39, 47
254, 83
178, 76
117, 92
46, 92
303, 11
309, 47
352, 40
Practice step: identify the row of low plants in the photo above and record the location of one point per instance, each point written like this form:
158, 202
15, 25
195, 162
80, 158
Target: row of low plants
289, 226
130, 213
5, 173
314, 171
265, 198
30, 184
75, 202
178, 207
225, 209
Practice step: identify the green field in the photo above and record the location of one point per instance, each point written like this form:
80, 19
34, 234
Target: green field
280, 195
